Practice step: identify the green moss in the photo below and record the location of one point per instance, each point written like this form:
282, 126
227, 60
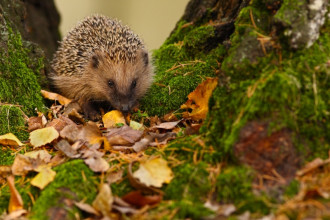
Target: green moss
190, 182
69, 183
18, 82
234, 185
12, 121
181, 59
190, 210
292, 189
291, 92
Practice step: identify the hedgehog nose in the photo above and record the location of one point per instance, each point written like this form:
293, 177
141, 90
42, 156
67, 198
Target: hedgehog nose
125, 108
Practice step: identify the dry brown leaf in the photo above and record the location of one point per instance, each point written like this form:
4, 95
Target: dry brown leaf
54, 96
124, 135
22, 165
198, 99
167, 125
103, 201
16, 201
64, 146
35, 123
154, 172
45, 176
60, 123
97, 164
87, 208
112, 118
10, 139
43, 155
114, 176
15, 215
43, 136
136, 198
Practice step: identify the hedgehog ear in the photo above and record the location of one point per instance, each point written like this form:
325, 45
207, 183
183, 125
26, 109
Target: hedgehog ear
95, 61
145, 57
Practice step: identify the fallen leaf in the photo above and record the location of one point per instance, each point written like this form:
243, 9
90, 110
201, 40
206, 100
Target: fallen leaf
103, 201
71, 132
45, 176
35, 123
154, 172
97, 164
124, 135
43, 136
112, 118
60, 123
142, 144
23, 164
64, 146
198, 99
87, 208
114, 176
136, 125
54, 96
15, 215
16, 201
167, 125
10, 139
43, 155
136, 198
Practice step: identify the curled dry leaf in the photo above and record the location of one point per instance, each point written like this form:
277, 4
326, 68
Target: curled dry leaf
154, 172
60, 123
103, 201
45, 176
198, 100
16, 201
23, 164
64, 146
10, 139
43, 155
54, 96
114, 176
112, 118
87, 208
124, 135
35, 123
137, 199
167, 125
43, 136
97, 164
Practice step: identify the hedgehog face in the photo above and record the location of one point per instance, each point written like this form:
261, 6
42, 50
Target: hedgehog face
122, 84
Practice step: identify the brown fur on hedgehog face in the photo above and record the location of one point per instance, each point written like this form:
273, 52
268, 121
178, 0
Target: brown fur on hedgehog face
120, 84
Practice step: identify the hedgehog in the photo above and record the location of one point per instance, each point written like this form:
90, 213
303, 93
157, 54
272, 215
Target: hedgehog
101, 61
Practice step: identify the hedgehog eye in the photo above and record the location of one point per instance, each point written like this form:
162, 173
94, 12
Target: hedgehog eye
111, 83
133, 85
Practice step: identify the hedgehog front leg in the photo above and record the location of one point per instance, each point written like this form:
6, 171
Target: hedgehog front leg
90, 111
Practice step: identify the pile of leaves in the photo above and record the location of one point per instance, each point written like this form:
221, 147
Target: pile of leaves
63, 134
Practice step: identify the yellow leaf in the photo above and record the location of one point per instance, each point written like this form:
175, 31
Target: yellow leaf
136, 125
112, 118
10, 139
44, 177
54, 96
198, 100
103, 201
43, 136
15, 202
154, 172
